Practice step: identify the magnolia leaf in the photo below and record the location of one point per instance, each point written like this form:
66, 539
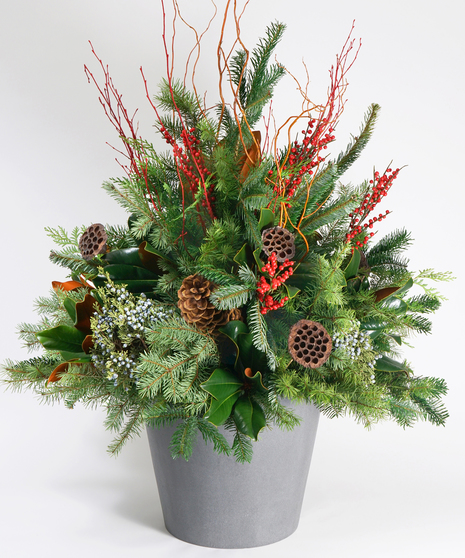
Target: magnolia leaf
150, 258
62, 338
384, 293
397, 304
373, 327
302, 276
63, 368
389, 291
266, 218
57, 372
222, 384
244, 256
387, 364
70, 307
67, 285
220, 409
85, 309
126, 256
353, 265
74, 357
255, 381
249, 417
260, 263
136, 279
247, 355
87, 344
291, 291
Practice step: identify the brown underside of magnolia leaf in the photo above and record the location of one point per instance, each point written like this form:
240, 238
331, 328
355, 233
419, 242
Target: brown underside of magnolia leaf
87, 344
84, 311
67, 285
384, 293
59, 370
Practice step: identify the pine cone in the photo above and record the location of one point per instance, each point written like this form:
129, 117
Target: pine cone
196, 307
93, 241
309, 343
280, 241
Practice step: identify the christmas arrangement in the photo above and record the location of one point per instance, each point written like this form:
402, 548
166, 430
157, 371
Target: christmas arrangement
248, 273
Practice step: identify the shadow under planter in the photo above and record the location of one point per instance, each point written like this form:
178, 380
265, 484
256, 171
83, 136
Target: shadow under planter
213, 501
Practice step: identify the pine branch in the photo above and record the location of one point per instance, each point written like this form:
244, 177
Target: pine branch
231, 296
183, 439
353, 151
211, 434
258, 329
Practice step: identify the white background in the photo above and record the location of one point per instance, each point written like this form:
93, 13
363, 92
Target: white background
382, 493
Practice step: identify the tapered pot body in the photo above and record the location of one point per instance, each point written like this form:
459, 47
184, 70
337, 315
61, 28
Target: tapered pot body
213, 501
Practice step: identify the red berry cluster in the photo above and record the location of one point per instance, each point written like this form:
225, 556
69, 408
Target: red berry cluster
189, 160
303, 157
277, 279
378, 188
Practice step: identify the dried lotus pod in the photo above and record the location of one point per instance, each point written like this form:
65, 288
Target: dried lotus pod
280, 241
309, 343
93, 241
195, 305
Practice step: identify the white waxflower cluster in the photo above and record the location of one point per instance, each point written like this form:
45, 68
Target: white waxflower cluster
119, 332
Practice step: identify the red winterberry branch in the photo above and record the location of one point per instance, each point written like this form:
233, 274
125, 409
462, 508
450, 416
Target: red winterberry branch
375, 192
277, 276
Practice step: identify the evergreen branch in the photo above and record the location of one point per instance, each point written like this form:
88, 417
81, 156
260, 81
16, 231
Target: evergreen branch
353, 151
211, 434
328, 214
258, 329
132, 428
183, 439
231, 296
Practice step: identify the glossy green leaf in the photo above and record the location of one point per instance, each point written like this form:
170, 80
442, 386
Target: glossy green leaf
220, 409
151, 258
249, 417
247, 355
373, 327
256, 382
291, 290
125, 256
387, 364
75, 357
260, 263
137, 279
222, 383
397, 339
301, 277
388, 292
266, 218
352, 268
62, 338
225, 388
354, 284
393, 303
70, 307
129, 272
241, 257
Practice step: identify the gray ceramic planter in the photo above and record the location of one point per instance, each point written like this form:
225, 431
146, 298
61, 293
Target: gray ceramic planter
214, 501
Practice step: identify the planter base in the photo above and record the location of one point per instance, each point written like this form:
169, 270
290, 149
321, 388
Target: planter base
214, 501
